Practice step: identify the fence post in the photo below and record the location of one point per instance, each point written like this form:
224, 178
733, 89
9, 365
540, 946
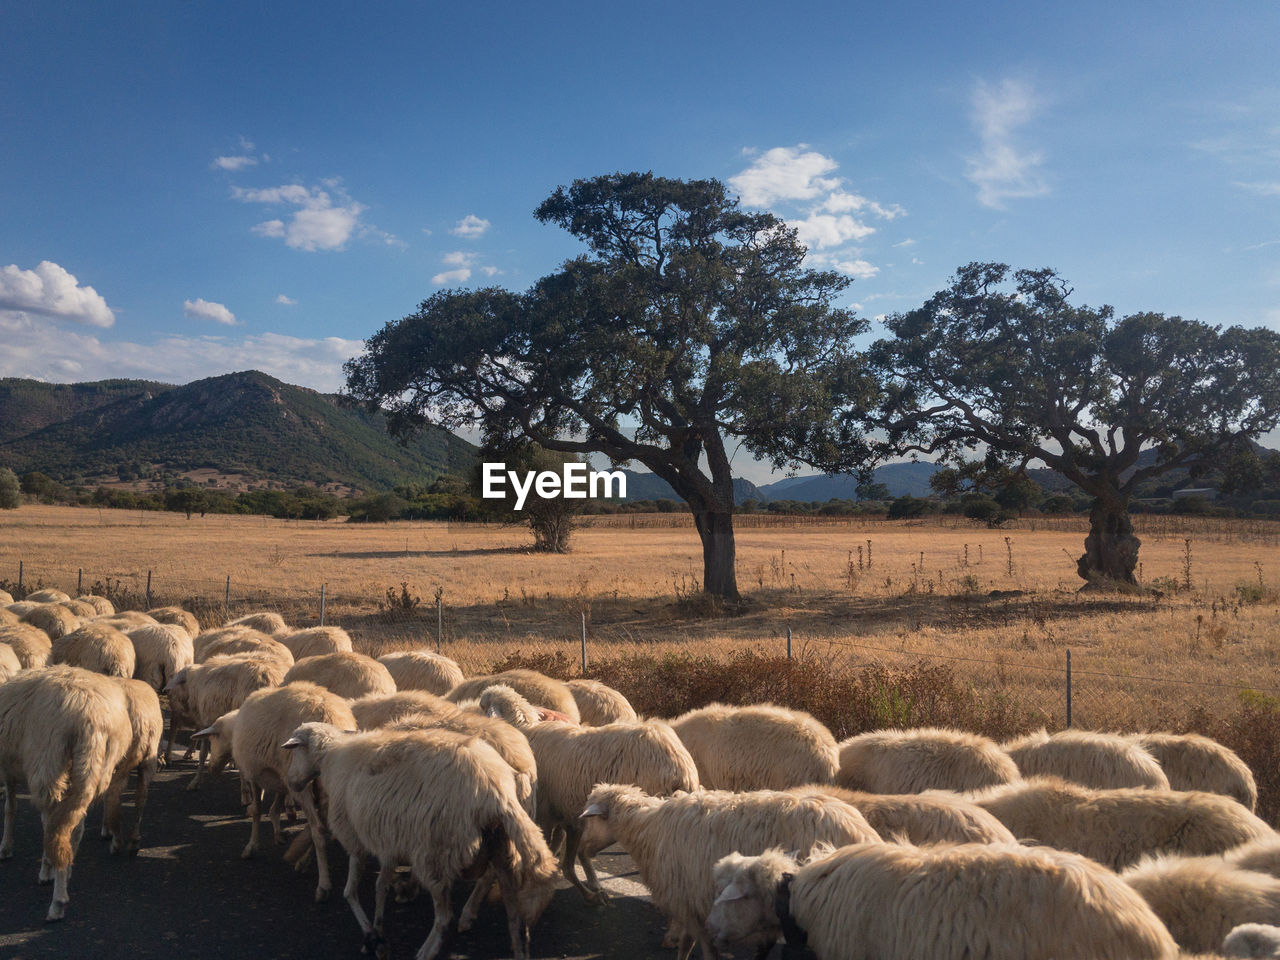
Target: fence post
584, 642
788, 643
322, 604
439, 623
1068, 687
19, 576
226, 595
148, 589
80, 581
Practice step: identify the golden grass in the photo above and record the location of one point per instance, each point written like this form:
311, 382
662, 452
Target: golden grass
995, 604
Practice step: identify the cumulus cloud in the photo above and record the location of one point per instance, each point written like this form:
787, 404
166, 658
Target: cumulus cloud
1261, 188
463, 263
202, 309
287, 301
785, 173
35, 348
51, 291
470, 227
821, 230
1003, 169
238, 161
325, 218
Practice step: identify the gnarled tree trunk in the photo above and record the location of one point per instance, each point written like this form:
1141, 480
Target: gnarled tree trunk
719, 573
1110, 549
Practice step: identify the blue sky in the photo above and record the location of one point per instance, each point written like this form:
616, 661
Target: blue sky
190, 189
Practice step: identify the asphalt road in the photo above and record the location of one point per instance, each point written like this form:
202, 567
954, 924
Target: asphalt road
188, 894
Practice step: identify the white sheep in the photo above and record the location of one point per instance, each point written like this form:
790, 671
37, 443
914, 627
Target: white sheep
31, 644
380, 709
124, 620
53, 618
422, 670
573, 759
1262, 855
1119, 827
208, 638
96, 647
1104, 761
268, 621
9, 662
47, 596
161, 650
6, 598
178, 617
1253, 940
599, 704
928, 758
64, 731
347, 674
102, 605
538, 689
316, 641
250, 642
891, 902
22, 607
1194, 762
441, 802
8, 618
147, 726
921, 818
1202, 899
676, 841
84, 611
760, 747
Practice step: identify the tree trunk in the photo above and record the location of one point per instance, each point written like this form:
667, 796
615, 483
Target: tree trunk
719, 573
1111, 549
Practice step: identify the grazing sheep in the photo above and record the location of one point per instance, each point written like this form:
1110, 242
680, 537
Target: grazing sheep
599, 704
912, 761
1119, 827
1193, 762
203, 692
8, 618
208, 638
47, 596
102, 605
96, 647
349, 675
31, 644
64, 730
381, 709
22, 607
761, 747
267, 621
499, 700
676, 841
147, 725
920, 818
1261, 855
572, 759
9, 662
1252, 940
249, 642
177, 617
84, 611
161, 650
125, 620
1104, 761
53, 618
540, 690
422, 670
6, 597
890, 902
441, 802
316, 641
1202, 899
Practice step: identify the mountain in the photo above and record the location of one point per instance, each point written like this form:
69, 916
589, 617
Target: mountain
646, 486
248, 424
900, 478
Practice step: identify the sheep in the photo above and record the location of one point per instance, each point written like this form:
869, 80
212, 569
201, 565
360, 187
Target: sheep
675, 841
761, 747
64, 730
1104, 761
441, 802
203, 692
85, 611
499, 700
31, 644
125, 619
1261, 855
315, 641
102, 605
22, 607
540, 690
246, 642
1193, 762
96, 647
381, 709
891, 902
422, 670
207, 638
8, 618
1202, 899
161, 650
9, 662
572, 759
54, 619
1118, 827
47, 596
349, 675
599, 704
147, 726
6, 598
267, 621
1252, 940
177, 617
929, 758
921, 818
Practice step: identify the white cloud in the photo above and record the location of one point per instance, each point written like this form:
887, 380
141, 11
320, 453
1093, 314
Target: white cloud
470, 227
858, 269
463, 262
202, 309
36, 348
51, 291
323, 220
1262, 188
287, 301
234, 163
785, 173
452, 276
906, 243
840, 201
458, 258
1004, 170
822, 230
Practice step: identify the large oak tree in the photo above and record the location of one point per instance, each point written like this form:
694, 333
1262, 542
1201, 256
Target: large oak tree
1006, 361
689, 326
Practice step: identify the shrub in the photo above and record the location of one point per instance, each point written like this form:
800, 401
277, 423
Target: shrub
10, 491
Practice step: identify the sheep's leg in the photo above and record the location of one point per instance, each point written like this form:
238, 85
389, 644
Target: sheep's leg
471, 909
439, 935
323, 886
46, 868
146, 773
10, 811
277, 833
63, 828
709, 951
386, 874
517, 929
111, 816
351, 893
589, 868
572, 837
200, 769
255, 815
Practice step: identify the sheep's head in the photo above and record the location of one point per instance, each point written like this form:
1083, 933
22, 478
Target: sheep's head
307, 745
744, 911
177, 689
219, 735
1252, 940
604, 801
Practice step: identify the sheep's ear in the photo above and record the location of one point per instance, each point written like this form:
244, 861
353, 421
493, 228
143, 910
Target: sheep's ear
594, 810
291, 743
734, 891
206, 732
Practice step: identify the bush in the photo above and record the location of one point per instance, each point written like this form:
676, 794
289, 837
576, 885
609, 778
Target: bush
10, 490
1058, 503
908, 506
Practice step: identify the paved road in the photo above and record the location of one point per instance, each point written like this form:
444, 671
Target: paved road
188, 894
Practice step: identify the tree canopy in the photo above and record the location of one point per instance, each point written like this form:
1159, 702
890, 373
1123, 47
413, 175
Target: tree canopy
1005, 360
689, 326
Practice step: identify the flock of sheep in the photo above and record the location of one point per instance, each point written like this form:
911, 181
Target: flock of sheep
747, 824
